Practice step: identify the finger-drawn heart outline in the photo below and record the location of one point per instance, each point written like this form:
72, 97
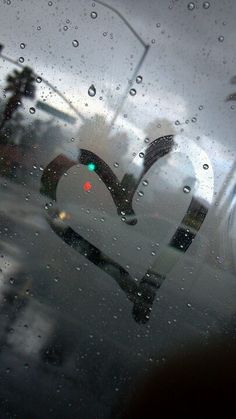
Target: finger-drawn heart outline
142, 294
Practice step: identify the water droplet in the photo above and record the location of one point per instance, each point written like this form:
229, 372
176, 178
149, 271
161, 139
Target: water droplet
205, 166
146, 140
75, 43
158, 25
22, 45
153, 253
104, 33
21, 59
177, 122
38, 79
145, 182
153, 41
65, 28
221, 38
32, 110
50, 3
140, 193
194, 119
200, 108
92, 91
139, 79
206, 5
93, 15
191, 6
186, 189
132, 92
116, 164
141, 155
38, 28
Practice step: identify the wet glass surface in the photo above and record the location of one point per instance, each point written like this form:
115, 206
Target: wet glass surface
117, 187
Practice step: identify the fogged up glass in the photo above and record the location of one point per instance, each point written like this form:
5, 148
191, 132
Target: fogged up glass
117, 183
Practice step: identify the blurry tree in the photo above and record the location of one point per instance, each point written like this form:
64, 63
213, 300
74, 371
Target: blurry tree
21, 85
159, 128
95, 135
14, 131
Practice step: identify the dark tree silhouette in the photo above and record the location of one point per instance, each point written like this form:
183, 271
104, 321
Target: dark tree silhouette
20, 84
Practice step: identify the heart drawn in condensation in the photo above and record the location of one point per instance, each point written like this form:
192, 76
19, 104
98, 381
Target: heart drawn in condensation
141, 293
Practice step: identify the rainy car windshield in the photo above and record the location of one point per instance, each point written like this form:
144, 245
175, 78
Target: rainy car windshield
117, 187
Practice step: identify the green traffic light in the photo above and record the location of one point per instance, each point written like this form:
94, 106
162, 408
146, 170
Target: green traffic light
91, 167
